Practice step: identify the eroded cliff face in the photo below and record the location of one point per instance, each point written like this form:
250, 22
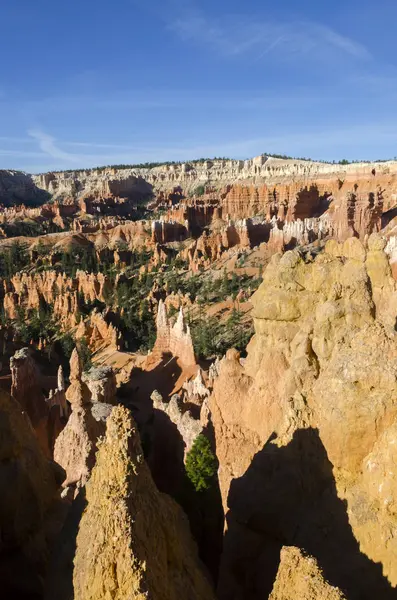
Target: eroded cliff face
188, 176
304, 429
28, 488
18, 187
354, 195
133, 541
91, 184
28, 292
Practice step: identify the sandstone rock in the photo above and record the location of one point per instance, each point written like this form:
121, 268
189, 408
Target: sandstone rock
291, 187
28, 488
76, 446
57, 398
299, 576
174, 339
133, 542
15, 186
78, 392
304, 425
101, 382
61, 293
195, 389
26, 388
188, 427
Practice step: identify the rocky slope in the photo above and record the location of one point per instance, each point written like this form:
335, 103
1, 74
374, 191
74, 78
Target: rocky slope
133, 542
304, 429
28, 489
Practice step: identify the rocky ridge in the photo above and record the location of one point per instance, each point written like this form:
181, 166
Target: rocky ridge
133, 542
190, 175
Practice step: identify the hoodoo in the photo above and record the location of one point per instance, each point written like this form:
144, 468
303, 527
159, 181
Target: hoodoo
198, 382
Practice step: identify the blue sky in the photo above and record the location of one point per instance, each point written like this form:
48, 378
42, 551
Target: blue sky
86, 83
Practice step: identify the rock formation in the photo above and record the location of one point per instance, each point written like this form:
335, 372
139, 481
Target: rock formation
46, 416
211, 174
58, 397
391, 251
188, 427
196, 390
101, 382
17, 187
163, 232
273, 236
28, 488
304, 429
299, 577
174, 339
98, 332
133, 542
76, 445
61, 293
90, 185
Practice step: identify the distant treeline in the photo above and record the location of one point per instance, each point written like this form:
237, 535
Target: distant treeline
146, 165
152, 165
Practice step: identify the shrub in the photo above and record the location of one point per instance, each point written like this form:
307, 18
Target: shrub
201, 464
200, 190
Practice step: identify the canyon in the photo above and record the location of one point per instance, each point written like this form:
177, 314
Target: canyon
198, 380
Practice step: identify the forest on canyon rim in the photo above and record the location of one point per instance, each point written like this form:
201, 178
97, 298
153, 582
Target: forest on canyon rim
198, 381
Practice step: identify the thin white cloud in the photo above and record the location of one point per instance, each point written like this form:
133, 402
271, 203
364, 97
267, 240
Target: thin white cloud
347, 45
310, 142
48, 146
236, 36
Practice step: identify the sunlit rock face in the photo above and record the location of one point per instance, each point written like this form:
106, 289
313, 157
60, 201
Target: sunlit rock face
133, 541
174, 339
304, 429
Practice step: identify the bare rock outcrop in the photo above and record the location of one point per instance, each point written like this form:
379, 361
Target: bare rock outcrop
262, 173
26, 291
133, 541
57, 397
26, 387
76, 446
174, 339
101, 382
304, 429
299, 577
195, 389
188, 427
28, 488
17, 187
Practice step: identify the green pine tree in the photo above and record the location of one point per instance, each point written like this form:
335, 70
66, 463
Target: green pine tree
201, 464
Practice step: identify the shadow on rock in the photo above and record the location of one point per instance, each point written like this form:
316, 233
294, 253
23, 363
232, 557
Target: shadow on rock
288, 496
204, 509
59, 584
